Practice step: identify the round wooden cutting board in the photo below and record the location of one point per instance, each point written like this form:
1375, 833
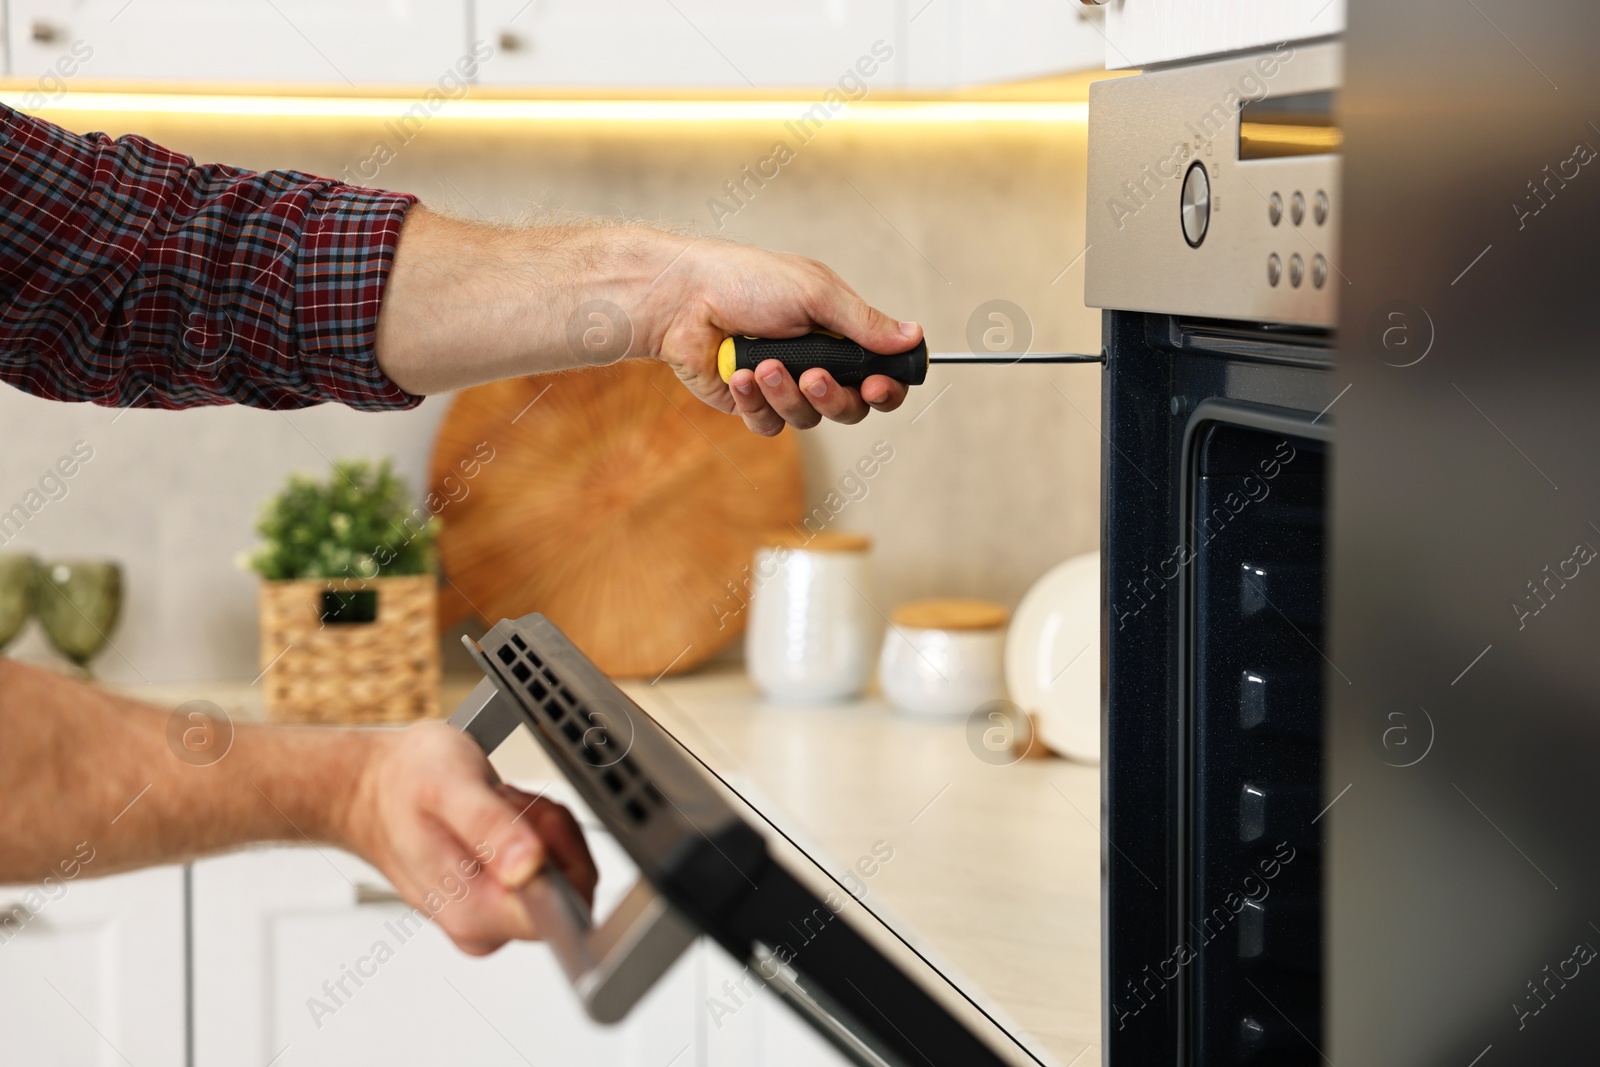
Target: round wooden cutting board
614, 502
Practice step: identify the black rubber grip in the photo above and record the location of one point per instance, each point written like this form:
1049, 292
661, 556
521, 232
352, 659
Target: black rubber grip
848, 362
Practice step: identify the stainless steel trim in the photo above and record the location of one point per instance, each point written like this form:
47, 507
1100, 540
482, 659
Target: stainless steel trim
1146, 133
484, 716
610, 966
783, 979
369, 895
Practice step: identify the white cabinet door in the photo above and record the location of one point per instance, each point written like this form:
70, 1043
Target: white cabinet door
92, 971
977, 42
1142, 32
809, 43
355, 42
748, 1025
293, 969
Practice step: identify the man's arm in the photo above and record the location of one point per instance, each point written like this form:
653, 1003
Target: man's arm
81, 767
135, 276
467, 303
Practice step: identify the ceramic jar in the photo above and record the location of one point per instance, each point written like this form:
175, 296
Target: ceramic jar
944, 658
812, 629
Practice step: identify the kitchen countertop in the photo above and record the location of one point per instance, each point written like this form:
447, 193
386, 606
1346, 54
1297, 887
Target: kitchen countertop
995, 869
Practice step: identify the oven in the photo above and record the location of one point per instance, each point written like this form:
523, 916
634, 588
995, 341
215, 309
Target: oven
1214, 214
1350, 502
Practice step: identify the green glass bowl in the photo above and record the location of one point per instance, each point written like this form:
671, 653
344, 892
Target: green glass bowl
17, 582
79, 603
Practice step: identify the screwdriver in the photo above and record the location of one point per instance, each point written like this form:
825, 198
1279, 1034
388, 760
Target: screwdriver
850, 364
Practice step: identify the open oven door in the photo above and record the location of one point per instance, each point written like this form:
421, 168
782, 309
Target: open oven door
709, 865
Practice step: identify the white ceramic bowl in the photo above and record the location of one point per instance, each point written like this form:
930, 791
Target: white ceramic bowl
1053, 657
941, 673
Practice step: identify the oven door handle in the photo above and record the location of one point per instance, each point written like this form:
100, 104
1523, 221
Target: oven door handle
610, 966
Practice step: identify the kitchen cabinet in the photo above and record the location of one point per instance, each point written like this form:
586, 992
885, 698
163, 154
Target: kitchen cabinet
351, 42
1141, 32
805, 43
92, 970
747, 1025
976, 42
304, 957
811, 44
687, 42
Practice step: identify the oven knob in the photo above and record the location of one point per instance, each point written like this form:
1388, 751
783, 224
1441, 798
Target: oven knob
1195, 204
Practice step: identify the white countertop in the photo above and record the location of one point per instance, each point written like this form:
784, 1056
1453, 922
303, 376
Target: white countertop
995, 869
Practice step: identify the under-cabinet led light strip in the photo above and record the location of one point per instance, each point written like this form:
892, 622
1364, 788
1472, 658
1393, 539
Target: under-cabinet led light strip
581, 111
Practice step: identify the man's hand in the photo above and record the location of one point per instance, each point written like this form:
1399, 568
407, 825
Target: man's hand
467, 303
731, 289
96, 783
430, 813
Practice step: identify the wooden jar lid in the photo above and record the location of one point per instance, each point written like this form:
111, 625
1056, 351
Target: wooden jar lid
824, 541
951, 613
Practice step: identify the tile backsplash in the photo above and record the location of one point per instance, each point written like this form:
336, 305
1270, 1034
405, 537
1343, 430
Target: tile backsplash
995, 475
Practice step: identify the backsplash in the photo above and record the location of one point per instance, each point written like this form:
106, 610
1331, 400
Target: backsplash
994, 473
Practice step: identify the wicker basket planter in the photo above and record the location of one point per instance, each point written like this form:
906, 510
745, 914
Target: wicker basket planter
341, 671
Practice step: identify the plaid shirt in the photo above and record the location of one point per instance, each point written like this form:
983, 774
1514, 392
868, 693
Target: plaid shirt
130, 275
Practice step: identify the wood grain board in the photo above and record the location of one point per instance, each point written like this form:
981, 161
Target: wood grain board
616, 503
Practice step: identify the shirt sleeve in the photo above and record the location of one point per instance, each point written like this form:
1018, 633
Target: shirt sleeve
132, 276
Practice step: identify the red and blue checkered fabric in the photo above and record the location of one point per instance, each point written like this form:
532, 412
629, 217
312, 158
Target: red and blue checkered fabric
132, 276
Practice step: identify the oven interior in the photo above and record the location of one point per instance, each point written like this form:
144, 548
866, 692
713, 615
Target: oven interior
1218, 451
1252, 890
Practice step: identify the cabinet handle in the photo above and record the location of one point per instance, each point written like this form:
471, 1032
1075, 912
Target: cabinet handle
18, 918
44, 32
368, 894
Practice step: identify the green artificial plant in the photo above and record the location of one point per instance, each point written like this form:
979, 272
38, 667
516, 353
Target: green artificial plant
359, 524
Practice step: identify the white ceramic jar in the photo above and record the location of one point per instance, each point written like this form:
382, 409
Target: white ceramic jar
944, 658
812, 629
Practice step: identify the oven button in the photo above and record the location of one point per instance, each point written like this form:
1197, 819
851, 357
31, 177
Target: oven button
1195, 204
1319, 207
1274, 209
1297, 208
1319, 270
1274, 269
1297, 270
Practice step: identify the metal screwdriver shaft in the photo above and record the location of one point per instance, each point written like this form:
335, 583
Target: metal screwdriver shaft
850, 364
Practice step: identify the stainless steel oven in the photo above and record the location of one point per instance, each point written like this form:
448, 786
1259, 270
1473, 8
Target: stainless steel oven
1350, 489
1214, 209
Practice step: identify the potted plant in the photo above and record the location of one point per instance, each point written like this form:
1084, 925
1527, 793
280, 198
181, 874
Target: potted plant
348, 595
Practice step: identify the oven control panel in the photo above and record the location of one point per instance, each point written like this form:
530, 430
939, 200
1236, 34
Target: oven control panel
1214, 189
